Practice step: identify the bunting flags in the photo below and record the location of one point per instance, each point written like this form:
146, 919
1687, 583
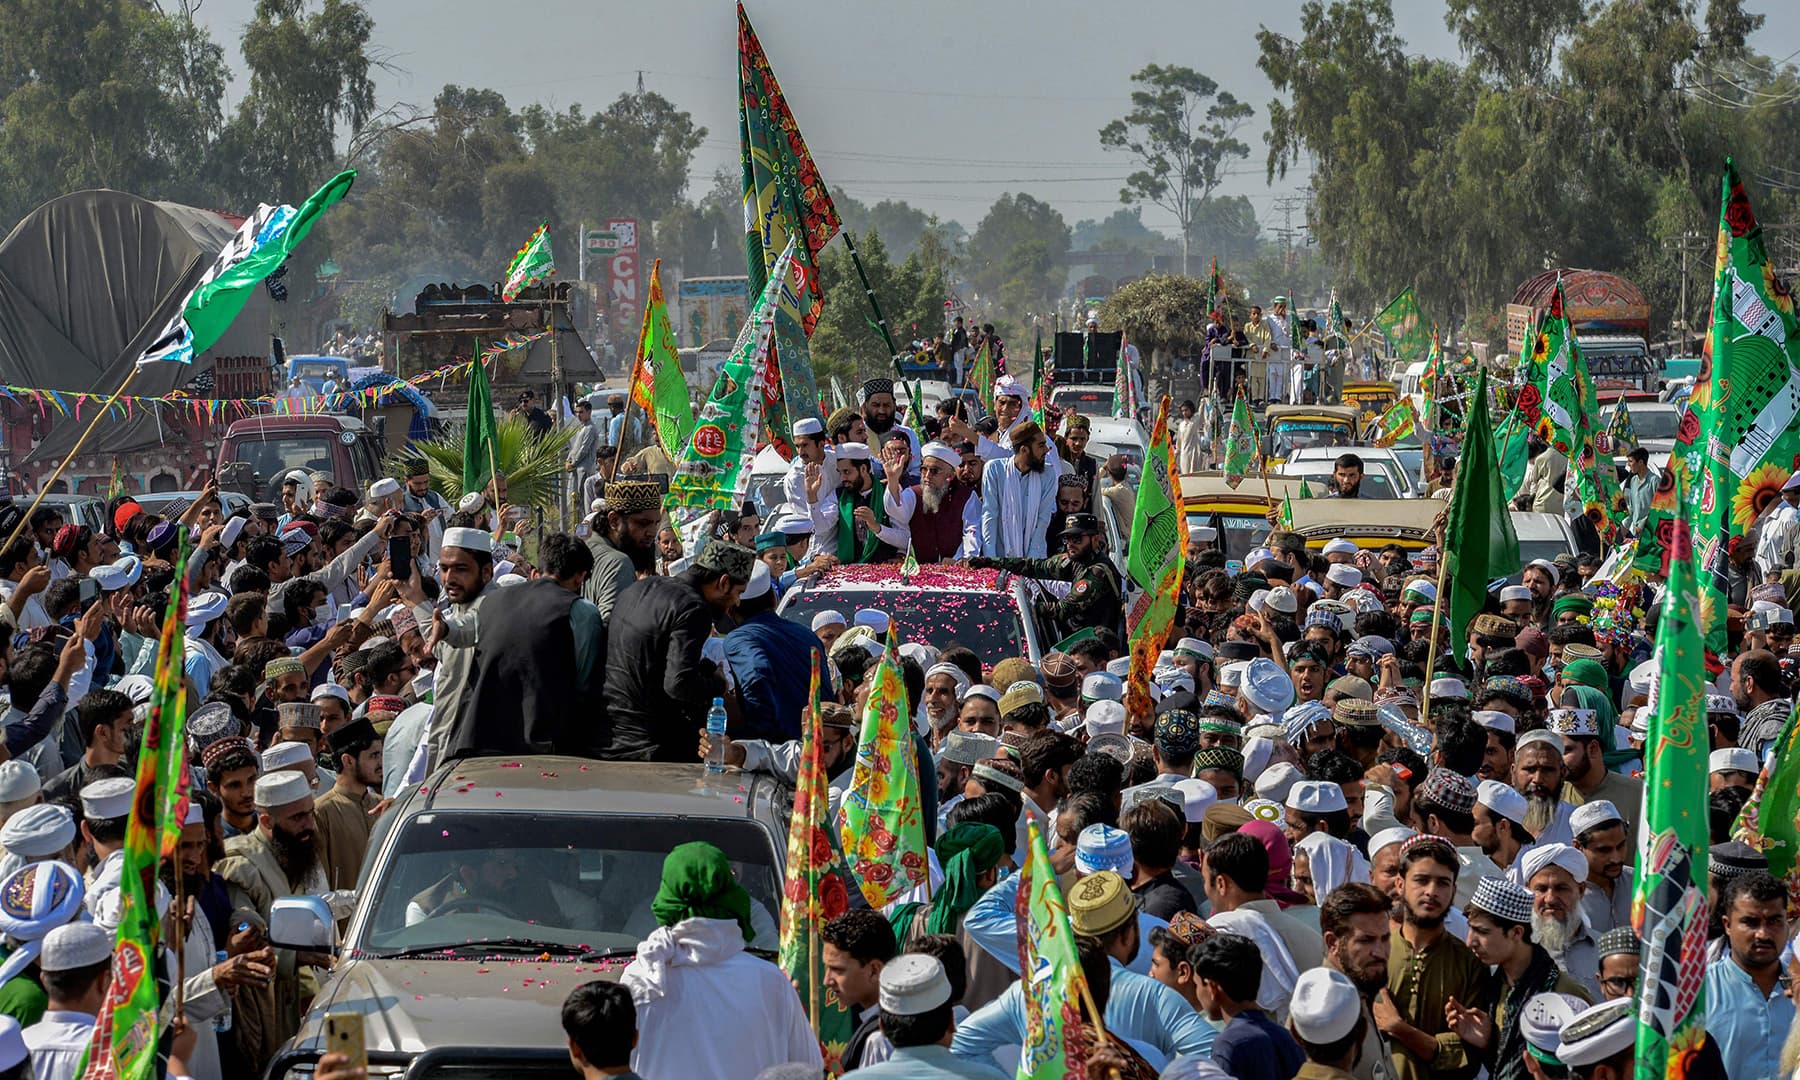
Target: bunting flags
1397, 422
128, 1028
815, 892
1055, 988
784, 196
1486, 546
1669, 906
531, 264
479, 437
883, 829
657, 385
1156, 556
1404, 326
259, 247
1240, 442
713, 471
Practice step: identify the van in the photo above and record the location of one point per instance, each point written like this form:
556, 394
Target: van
258, 451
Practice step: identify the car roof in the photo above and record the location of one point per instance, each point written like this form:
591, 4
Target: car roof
1530, 526
1332, 453
1346, 413
1210, 486
294, 422
551, 783
1369, 522
941, 577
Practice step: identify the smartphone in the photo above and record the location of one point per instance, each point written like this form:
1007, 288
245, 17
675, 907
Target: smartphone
88, 592
400, 557
344, 1035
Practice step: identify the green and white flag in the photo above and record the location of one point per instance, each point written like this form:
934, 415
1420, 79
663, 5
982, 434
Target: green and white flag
1240, 443
1404, 326
531, 264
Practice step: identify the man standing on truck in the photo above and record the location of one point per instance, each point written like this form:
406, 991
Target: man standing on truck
1281, 344
427, 504
583, 448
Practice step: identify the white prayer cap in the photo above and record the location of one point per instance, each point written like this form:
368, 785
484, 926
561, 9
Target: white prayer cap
75, 945
1344, 574
1315, 797
912, 984
1449, 688
1541, 856
1543, 1018
943, 452
1102, 686
297, 476
1502, 799
1732, 758
759, 583
1325, 1006
1266, 686
1547, 567
1282, 599
1509, 593
810, 426
1539, 735
1257, 555
1105, 717
507, 581
1189, 646
1202, 532
1257, 751
280, 789
1386, 837
205, 607
825, 618
956, 675
1337, 545
122, 574
13, 1050
1640, 679
501, 569
331, 690
38, 832
792, 525
285, 755
1422, 587
1197, 796
1599, 1033
1103, 847
1495, 720
1119, 666
233, 529
471, 502
873, 618
384, 488
1279, 779
1590, 814
468, 539
40, 897
196, 814
108, 798
18, 781
1258, 600
852, 451
983, 690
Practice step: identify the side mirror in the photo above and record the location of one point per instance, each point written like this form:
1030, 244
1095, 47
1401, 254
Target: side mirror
302, 923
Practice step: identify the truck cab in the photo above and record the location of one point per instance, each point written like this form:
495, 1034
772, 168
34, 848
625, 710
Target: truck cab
258, 451
314, 371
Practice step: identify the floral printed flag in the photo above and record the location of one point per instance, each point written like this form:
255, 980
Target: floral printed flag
1240, 442
883, 828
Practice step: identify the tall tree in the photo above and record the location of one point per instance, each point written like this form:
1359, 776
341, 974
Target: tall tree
1181, 132
1019, 280
1513, 42
630, 159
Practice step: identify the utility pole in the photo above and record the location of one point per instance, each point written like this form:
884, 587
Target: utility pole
1688, 241
1285, 205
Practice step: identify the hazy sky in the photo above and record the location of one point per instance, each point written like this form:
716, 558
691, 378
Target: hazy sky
943, 103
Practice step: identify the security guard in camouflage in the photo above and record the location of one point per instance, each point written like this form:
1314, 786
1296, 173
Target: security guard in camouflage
1096, 599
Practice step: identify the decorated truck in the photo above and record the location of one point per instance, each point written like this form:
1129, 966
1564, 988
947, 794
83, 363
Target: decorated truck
1611, 320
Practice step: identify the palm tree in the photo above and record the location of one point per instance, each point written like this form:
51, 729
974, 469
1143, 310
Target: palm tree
532, 464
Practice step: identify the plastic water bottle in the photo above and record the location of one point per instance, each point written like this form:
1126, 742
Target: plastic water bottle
715, 737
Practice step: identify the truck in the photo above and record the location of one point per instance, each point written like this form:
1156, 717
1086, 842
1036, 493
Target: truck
258, 451
1611, 320
709, 308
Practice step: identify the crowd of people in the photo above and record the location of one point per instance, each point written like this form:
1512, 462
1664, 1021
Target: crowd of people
1334, 846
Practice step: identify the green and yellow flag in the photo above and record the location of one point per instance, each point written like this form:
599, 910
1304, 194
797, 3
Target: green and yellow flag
129, 1027
1397, 422
1669, 901
1404, 326
1621, 435
1156, 557
1240, 442
816, 892
657, 385
983, 378
531, 264
1485, 545
1511, 445
883, 829
1055, 988
1769, 819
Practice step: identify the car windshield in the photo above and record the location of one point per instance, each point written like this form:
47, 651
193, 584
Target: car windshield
1375, 481
985, 622
1654, 423
562, 879
1291, 435
1241, 532
273, 458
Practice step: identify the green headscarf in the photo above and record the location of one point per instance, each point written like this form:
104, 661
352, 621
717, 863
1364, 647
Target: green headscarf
1579, 603
697, 882
964, 852
1586, 672
1584, 696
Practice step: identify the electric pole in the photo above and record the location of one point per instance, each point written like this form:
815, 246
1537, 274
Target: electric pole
1689, 241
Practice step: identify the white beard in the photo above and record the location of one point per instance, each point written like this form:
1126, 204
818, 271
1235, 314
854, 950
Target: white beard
1540, 813
1554, 934
932, 498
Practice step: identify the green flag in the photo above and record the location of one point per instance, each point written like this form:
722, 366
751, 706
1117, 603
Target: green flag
1055, 988
983, 378
258, 249
1621, 435
531, 264
126, 1032
1670, 895
1485, 546
1040, 390
883, 829
1240, 442
1511, 446
1397, 421
478, 430
1155, 559
1404, 326
1305, 490
1770, 821
816, 891
657, 385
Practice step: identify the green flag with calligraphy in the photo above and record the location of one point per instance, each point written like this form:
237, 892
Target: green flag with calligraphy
1240, 442
1404, 326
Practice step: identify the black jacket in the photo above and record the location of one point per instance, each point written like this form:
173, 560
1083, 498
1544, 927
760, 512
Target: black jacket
521, 697
657, 686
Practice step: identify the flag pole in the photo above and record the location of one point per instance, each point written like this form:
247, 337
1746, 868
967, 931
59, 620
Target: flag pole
44, 486
874, 305
1437, 609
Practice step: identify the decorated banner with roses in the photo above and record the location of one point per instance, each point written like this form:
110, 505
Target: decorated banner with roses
815, 892
883, 829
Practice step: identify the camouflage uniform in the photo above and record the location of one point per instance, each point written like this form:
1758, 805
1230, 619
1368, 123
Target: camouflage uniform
1096, 599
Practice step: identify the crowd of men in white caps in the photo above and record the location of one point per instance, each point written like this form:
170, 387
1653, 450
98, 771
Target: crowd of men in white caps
1306, 861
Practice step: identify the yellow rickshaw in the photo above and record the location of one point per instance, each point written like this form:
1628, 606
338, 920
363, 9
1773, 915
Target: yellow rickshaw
1290, 427
1371, 398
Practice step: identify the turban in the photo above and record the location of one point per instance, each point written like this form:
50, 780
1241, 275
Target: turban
1563, 855
965, 851
697, 883
1579, 603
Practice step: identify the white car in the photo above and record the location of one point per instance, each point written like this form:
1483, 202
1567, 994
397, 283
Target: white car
1121, 434
1374, 458
1541, 536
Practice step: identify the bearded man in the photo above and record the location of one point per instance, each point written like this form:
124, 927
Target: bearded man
947, 521
1539, 773
1353, 920
623, 542
1018, 498
1427, 968
1557, 876
863, 523
878, 417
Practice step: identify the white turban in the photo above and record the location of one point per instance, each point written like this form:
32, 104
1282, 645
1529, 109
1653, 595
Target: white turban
1563, 855
957, 676
1333, 862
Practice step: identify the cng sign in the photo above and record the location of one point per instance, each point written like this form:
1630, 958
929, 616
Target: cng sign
623, 261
